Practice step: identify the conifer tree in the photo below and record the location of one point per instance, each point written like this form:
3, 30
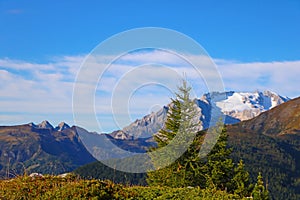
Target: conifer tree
216, 170
241, 181
219, 166
260, 192
183, 122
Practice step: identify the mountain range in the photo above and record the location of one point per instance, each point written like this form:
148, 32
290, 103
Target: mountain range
268, 143
263, 129
29, 146
232, 106
41, 148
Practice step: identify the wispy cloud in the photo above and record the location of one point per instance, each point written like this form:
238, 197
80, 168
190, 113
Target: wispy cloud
23, 65
31, 89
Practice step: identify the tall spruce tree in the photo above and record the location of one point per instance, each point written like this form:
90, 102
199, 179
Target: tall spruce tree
183, 123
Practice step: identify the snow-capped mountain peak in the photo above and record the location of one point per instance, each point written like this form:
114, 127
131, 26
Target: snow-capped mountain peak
246, 105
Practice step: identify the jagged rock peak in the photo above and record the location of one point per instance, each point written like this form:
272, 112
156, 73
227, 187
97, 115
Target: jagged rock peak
45, 125
62, 126
148, 125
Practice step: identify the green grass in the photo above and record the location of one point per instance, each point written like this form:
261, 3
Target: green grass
71, 187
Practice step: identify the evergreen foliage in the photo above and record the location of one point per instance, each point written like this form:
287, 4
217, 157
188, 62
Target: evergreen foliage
180, 128
216, 171
98, 170
219, 166
260, 192
241, 180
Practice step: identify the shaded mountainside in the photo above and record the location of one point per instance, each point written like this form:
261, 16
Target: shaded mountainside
40, 148
270, 143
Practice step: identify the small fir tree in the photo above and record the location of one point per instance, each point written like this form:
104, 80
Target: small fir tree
241, 181
260, 192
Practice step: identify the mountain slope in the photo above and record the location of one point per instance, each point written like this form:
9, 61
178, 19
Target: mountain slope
279, 121
40, 148
270, 143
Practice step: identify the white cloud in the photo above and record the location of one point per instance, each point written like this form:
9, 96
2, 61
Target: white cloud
33, 90
23, 65
280, 77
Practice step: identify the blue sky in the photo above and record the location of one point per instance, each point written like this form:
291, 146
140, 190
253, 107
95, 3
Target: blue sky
248, 31
43, 43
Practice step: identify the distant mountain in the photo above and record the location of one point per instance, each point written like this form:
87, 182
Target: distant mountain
41, 148
233, 106
137, 137
145, 127
244, 106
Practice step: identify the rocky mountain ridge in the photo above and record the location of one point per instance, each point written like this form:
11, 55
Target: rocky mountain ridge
232, 106
47, 125
41, 148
